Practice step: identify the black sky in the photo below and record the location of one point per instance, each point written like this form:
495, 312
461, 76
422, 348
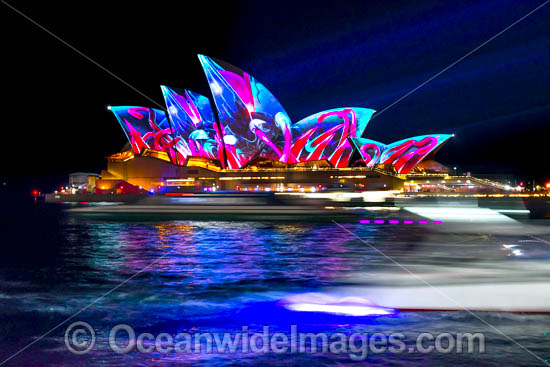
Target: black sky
312, 56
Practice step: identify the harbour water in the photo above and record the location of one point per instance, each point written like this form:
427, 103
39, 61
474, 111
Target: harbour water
220, 276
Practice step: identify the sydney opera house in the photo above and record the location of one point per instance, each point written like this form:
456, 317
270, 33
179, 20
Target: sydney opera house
247, 141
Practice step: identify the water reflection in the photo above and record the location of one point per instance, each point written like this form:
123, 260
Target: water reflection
198, 276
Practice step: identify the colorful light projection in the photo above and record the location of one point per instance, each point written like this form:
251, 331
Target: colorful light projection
405, 154
253, 122
146, 128
370, 150
193, 125
324, 135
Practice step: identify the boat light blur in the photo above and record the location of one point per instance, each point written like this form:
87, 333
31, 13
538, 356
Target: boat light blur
348, 306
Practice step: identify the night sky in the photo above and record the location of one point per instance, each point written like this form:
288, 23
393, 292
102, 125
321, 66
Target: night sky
312, 56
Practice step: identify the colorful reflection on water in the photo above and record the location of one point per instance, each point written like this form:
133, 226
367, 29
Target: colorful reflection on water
219, 276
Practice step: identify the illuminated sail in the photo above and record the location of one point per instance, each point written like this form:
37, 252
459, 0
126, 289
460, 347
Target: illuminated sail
369, 150
193, 123
146, 128
405, 154
324, 135
253, 122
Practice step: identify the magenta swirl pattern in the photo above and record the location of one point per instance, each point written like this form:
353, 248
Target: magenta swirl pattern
249, 122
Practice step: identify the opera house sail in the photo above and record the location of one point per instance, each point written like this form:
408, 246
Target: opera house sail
246, 124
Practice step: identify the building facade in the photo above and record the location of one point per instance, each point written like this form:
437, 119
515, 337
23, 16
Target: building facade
249, 142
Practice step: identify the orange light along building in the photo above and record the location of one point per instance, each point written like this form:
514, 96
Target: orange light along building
200, 174
153, 172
